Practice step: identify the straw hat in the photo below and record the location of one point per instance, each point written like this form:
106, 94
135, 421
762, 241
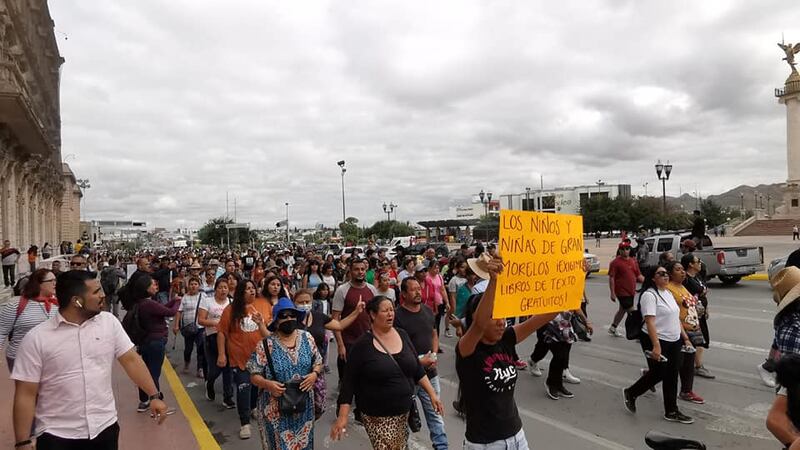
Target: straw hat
786, 287
195, 266
479, 265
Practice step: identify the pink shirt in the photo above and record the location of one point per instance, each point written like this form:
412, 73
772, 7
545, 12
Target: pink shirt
72, 364
432, 292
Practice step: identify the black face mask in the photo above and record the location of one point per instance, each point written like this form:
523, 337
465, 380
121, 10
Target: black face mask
288, 326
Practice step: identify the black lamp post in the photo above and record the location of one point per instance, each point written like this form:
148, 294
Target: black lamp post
663, 171
486, 198
389, 209
741, 194
341, 165
527, 199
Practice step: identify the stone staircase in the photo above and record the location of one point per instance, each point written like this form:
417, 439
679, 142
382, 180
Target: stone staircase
768, 227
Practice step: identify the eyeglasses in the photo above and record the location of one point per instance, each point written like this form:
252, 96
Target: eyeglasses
662, 273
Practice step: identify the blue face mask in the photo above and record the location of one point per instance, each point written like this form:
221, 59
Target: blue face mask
306, 307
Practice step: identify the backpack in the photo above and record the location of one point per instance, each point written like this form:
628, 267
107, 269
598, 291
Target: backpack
132, 325
109, 280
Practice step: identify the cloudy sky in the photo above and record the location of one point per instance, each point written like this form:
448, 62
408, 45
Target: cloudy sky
166, 106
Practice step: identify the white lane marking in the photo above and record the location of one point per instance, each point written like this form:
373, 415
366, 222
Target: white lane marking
563, 426
739, 348
718, 315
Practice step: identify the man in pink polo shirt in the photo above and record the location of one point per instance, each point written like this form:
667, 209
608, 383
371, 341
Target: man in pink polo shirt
63, 373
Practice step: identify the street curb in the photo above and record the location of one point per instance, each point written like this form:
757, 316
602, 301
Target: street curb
754, 277
202, 434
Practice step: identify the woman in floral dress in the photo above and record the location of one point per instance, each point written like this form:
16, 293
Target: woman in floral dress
294, 358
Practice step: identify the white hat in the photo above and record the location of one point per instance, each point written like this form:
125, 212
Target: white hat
480, 265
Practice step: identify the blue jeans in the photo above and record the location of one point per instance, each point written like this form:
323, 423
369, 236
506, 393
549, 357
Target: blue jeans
214, 371
516, 442
153, 355
246, 396
434, 421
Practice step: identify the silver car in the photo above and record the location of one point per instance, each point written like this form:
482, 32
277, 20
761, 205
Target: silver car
594, 263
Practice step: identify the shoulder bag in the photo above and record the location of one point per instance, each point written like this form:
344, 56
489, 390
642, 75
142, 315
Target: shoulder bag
190, 330
293, 400
414, 422
634, 321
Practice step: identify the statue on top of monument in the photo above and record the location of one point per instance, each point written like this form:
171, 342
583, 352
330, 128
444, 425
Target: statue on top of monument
790, 52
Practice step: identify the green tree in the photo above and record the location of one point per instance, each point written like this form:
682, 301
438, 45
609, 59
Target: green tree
488, 228
214, 232
350, 230
713, 213
386, 229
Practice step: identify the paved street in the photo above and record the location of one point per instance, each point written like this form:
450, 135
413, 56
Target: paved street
733, 416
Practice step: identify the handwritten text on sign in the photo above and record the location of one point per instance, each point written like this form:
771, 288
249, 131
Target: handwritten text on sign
543, 263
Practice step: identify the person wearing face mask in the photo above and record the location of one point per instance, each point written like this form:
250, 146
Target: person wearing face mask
238, 333
65, 388
316, 323
287, 355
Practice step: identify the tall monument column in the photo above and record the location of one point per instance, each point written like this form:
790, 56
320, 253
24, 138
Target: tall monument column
790, 96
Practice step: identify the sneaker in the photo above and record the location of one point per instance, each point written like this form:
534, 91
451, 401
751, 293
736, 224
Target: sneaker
228, 403
629, 401
563, 392
678, 416
643, 372
244, 432
199, 373
612, 330
448, 333
570, 378
703, 373
143, 406
691, 397
619, 333
210, 394
766, 376
535, 369
520, 364
551, 392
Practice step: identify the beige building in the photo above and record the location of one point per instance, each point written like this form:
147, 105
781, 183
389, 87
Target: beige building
34, 185
70, 219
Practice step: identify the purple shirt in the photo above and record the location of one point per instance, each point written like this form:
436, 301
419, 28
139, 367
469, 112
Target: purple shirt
152, 315
72, 364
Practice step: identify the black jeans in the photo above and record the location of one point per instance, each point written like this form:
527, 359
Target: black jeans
665, 373
108, 439
8, 275
191, 341
153, 355
560, 361
246, 394
687, 372
214, 370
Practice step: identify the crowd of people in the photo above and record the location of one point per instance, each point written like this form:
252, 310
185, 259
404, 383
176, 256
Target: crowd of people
265, 322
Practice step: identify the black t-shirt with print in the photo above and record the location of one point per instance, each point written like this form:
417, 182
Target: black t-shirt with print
488, 377
317, 328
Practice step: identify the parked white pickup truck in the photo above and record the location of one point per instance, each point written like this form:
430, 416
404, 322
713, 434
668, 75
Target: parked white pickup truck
729, 264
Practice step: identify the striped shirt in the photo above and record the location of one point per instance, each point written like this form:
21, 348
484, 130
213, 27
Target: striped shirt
34, 314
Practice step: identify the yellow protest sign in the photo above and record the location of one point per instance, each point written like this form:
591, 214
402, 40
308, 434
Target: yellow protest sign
542, 263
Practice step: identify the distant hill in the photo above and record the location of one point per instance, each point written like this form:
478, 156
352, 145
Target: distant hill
733, 198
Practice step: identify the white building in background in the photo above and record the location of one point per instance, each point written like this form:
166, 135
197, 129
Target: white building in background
474, 210
112, 230
564, 200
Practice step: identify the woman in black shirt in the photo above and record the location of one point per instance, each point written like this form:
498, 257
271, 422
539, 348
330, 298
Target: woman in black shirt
696, 286
382, 370
487, 374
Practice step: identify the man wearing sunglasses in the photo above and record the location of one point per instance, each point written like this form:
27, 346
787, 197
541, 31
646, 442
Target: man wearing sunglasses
78, 262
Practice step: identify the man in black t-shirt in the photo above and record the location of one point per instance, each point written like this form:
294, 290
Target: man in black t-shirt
419, 324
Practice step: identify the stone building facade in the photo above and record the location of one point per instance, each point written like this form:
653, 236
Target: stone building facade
33, 182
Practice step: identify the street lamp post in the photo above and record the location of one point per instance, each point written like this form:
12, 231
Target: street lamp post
663, 171
741, 194
389, 209
287, 223
486, 198
83, 184
341, 165
527, 199
769, 197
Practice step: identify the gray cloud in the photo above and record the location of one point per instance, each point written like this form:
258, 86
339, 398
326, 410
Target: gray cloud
168, 106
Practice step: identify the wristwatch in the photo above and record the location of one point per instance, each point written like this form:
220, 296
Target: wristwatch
156, 396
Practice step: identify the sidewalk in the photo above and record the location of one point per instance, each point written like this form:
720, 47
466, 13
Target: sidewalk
138, 431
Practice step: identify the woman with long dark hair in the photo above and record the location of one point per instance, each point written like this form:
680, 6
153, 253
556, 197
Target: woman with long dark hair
696, 286
238, 333
139, 292
273, 290
37, 304
660, 339
312, 276
691, 326
208, 315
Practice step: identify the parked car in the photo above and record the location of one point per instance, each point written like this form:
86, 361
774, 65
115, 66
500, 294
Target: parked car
441, 249
729, 264
594, 263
